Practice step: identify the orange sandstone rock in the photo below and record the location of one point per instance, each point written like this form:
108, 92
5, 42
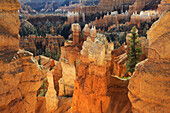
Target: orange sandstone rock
20, 74
149, 85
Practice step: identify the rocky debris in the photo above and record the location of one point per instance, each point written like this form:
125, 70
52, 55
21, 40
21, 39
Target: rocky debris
149, 85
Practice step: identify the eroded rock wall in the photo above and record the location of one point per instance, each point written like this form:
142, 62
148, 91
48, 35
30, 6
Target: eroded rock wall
149, 85
20, 74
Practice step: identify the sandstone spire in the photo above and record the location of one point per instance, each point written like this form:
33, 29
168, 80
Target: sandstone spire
76, 33
93, 33
86, 32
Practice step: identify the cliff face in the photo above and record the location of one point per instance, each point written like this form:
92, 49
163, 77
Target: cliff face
143, 4
20, 74
149, 85
110, 5
9, 25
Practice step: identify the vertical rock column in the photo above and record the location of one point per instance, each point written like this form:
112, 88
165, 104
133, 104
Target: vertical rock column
93, 33
76, 33
51, 97
86, 32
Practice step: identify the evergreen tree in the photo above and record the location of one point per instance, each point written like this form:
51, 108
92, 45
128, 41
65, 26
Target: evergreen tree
144, 32
39, 60
47, 53
133, 55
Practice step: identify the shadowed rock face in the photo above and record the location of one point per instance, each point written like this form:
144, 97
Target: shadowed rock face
149, 85
20, 74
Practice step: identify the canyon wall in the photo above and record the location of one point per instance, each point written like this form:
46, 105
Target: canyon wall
38, 44
20, 74
149, 85
139, 5
110, 5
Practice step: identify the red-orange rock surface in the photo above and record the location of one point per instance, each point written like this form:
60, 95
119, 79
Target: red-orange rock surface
95, 90
41, 105
57, 74
149, 85
20, 74
163, 6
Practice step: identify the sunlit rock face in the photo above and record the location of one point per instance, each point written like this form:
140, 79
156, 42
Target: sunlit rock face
149, 85
163, 6
9, 25
95, 90
20, 74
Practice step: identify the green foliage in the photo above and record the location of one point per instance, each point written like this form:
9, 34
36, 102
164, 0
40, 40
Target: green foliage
43, 89
144, 32
133, 55
122, 39
58, 55
47, 53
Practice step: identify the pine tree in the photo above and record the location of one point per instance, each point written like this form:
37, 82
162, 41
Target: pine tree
47, 53
39, 60
135, 51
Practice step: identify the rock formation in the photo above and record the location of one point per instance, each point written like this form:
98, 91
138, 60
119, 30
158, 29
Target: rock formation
20, 74
139, 5
38, 44
149, 85
76, 33
163, 6
110, 5
66, 83
57, 74
86, 32
51, 97
110, 19
96, 91
144, 16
